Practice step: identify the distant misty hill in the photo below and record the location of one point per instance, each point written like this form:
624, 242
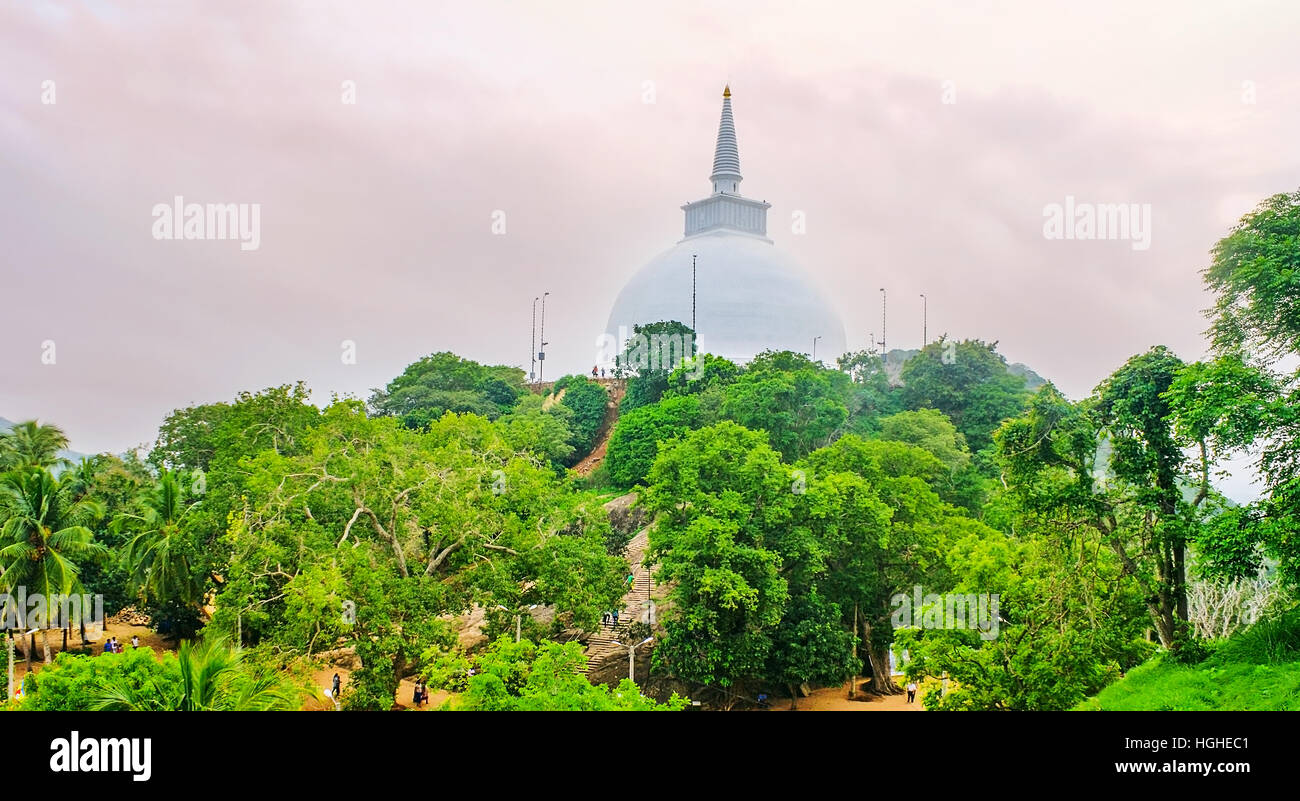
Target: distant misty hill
895, 359
71, 456
1032, 380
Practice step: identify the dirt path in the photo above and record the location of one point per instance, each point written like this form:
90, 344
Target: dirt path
122, 631
321, 679
324, 677
835, 699
597, 455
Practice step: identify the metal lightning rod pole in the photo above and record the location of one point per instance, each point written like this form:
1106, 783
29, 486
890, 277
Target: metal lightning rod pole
694, 333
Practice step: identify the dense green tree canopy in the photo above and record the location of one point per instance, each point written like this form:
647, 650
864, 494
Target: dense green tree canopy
1068, 624
800, 404
969, 382
653, 352
1249, 396
444, 382
635, 441
407, 525
1114, 464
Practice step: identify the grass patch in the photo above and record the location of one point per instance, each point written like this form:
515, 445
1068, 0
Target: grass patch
1258, 669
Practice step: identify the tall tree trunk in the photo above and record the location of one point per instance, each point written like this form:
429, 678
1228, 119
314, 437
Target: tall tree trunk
1180, 581
853, 680
881, 681
1162, 616
794, 697
399, 669
45, 641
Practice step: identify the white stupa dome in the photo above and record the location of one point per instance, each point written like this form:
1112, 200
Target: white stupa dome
749, 296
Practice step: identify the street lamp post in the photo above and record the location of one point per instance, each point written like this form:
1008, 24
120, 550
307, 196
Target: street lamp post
814, 353
532, 349
541, 354
631, 656
925, 333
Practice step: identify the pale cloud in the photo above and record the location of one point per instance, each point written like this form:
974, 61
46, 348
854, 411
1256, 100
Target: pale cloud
376, 217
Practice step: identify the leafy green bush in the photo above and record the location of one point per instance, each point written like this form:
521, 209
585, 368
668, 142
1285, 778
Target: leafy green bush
523, 676
72, 682
202, 676
588, 401
636, 438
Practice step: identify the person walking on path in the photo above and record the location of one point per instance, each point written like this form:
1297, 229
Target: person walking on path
335, 687
911, 691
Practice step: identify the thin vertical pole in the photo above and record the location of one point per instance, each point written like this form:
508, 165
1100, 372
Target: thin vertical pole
532, 350
882, 319
925, 331
694, 333
541, 366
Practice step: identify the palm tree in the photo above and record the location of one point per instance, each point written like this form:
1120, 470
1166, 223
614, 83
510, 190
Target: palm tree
212, 677
80, 478
158, 556
30, 444
43, 531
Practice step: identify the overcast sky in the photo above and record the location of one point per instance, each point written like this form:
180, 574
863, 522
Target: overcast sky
588, 124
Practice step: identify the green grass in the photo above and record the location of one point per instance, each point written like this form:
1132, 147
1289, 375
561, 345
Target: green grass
1258, 669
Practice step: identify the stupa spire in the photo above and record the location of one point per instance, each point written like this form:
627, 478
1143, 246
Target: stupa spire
726, 176
726, 209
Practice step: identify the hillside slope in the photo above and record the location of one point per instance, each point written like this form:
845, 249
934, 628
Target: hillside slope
1258, 669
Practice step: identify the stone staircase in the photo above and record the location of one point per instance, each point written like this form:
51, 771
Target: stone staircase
600, 646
